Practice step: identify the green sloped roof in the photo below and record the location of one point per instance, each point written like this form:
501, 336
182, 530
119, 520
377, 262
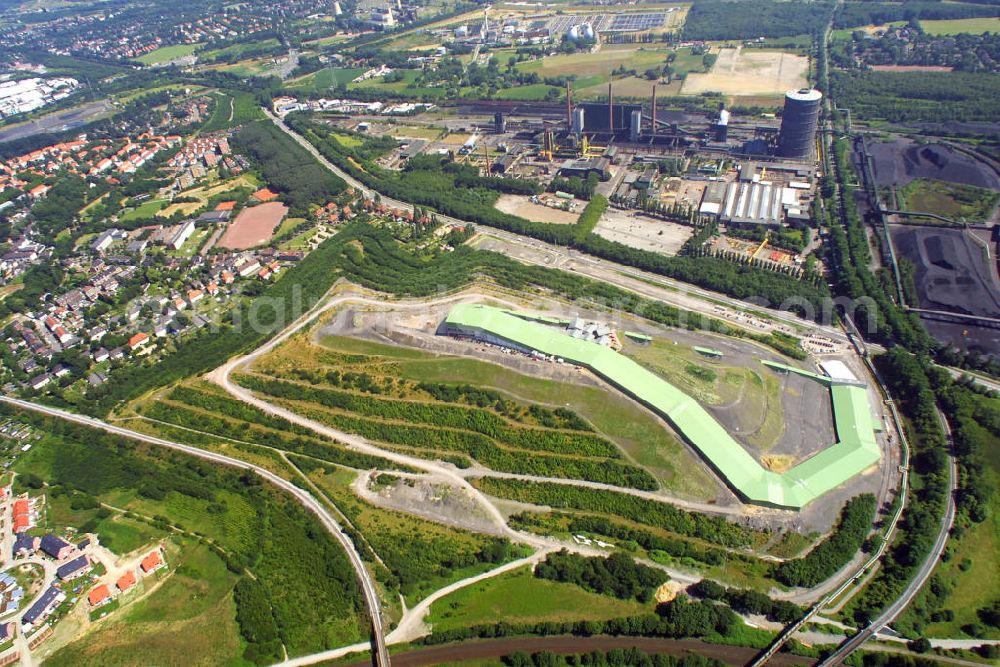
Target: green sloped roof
855, 450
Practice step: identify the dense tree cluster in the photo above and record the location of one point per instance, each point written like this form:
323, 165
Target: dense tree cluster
746, 601
287, 168
629, 657
616, 575
307, 581
910, 45
750, 19
854, 14
836, 550
648, 512
932, 97
921, 519
679, 618
256, 621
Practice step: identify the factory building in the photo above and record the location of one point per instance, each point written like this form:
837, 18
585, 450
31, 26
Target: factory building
754, 202
799, 120
596, 117
584, 167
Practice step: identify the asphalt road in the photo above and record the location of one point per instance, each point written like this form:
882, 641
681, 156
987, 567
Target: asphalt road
308, 501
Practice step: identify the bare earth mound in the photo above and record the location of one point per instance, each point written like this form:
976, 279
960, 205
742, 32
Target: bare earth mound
749, 72
253, 226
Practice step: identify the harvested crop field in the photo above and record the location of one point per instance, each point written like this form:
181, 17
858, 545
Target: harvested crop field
750, 72
521, 206
253, 226
901, 161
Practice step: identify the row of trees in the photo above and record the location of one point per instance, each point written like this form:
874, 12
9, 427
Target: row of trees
746, 601
716, 20
627, 657
431, 442
851, 256
616, 575
227, 418
836, 550
921, 520
640, 510
471, 419
679, 618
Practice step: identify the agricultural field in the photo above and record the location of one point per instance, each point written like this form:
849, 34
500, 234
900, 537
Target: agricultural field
593, 70
167, 53
742, 72
976, 26
520, 597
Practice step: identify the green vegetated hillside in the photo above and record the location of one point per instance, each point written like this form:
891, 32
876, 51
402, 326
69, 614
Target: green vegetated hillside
409, 555
223, 529
959, 599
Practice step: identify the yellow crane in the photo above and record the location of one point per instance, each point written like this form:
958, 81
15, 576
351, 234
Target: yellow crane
589, 150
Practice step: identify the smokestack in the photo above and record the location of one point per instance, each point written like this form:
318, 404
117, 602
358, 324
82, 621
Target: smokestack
611, 110
653, 116
569, 105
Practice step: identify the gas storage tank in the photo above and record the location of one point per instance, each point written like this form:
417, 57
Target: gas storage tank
798, 123
582, 32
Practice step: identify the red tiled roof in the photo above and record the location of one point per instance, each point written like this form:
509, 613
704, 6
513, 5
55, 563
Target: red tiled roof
150, 561
138, 339
226, 206
99, 595
265, 194
126, 581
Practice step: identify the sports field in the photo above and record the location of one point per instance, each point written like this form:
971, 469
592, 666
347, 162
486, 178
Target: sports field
167, 53
253, 226
742, 72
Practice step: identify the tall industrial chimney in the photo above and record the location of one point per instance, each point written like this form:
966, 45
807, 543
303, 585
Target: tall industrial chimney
611, 110
569, 105
653, 116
